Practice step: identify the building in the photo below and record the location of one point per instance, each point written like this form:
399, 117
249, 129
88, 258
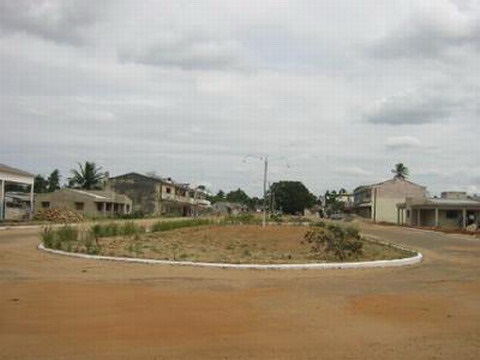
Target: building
378, 202
229, 208
347, 200
11, 207
153, 195
86, 202
451, 210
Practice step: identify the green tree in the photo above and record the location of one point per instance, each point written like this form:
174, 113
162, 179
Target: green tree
238, 196
87, 177
292, 197
217, 198
40, 184
400, 171
54, 181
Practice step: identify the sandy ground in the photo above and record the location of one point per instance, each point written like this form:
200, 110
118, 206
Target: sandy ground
54, 307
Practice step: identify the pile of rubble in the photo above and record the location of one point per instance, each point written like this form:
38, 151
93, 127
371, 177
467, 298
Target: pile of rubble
59, 215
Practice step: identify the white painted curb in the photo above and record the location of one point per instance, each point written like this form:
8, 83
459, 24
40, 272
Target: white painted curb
351, 265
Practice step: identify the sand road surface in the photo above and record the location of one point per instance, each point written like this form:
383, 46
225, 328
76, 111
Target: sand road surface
55, 307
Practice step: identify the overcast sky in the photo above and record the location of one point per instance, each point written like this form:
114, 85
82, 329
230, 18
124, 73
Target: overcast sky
334, 92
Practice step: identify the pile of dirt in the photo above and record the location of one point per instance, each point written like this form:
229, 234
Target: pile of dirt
59, 215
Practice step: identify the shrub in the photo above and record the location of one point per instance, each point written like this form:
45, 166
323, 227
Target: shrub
172, 225
131, 229
61, 238
342, 243
241, 219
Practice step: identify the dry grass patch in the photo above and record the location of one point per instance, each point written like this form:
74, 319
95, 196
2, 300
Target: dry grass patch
246, 244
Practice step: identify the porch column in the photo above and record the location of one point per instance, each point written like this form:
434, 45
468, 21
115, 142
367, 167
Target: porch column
31, 201
2, 199
398, 216
104, 208
419, 219
436, 217
464, 218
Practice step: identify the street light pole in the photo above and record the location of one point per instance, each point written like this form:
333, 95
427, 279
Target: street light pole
265, 159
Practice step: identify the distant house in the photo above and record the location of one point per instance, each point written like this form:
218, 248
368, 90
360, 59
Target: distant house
347, 200
86, 202
451, 210
153, 195
378, 202
229, 208
14, 205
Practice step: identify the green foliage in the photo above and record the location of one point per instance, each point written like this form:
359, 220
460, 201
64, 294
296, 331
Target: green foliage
61, 238
248, 219
172, 225
40, 184
87, 177
292, 197
54, 181
400, 171
341, 242
238, 196
332, 203
116, 229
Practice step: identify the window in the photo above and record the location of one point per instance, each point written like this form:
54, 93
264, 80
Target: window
99, 206
452, 214
79, 206
408, 213
168, 190
109, 207
45, 204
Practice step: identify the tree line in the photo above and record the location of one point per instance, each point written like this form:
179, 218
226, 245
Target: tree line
87, 176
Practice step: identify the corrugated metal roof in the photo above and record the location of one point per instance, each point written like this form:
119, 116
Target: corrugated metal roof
12, 170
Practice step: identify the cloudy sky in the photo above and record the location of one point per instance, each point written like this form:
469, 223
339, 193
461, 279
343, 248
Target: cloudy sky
334, 92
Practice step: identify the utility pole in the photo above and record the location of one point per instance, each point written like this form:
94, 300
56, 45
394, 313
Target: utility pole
264, 224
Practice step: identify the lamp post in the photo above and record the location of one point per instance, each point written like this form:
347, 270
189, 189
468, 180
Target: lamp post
265, 171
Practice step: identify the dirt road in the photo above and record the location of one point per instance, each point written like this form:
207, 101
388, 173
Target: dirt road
54, 307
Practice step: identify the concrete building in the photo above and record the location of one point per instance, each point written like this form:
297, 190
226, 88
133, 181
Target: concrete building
86, 202
159, 196
13, 176
451, 210
229, 208
378, 202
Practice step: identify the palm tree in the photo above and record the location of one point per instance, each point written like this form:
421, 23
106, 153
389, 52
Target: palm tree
88, 177
400, 171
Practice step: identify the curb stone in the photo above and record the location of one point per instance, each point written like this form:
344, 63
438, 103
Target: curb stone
323, 266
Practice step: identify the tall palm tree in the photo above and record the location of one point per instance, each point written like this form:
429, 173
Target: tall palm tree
400, 171
87, 177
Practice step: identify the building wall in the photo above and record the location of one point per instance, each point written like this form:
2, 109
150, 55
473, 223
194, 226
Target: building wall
144, 192
386, 209
67, 199
388, 194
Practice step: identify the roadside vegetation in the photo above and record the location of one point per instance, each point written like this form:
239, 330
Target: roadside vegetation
238, 239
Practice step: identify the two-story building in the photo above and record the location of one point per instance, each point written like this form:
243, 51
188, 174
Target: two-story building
378, 202
153, 195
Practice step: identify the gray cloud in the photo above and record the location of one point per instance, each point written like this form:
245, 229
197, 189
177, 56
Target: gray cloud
60, 21
409, 109
432, 32
187, 51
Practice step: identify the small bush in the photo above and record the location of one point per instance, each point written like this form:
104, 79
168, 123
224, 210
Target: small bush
48, 237
318, 224
61, 238
342, 243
